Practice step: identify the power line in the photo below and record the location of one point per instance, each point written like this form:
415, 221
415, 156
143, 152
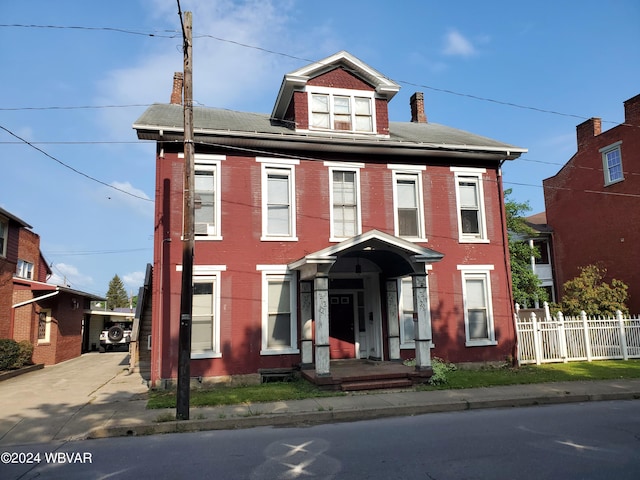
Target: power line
72, 168
174, 34
78, 107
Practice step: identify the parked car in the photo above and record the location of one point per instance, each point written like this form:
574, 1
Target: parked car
115, 335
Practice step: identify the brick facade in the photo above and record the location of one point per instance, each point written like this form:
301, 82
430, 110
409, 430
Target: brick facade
593, 222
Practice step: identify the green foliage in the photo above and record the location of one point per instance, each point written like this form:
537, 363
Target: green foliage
525, 284
589, 292
117, 295
441, 370
14, 354
9, 353
24, 355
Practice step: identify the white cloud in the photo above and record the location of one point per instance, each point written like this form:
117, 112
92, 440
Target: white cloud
457, 44
69, 275
132, 203
133, 281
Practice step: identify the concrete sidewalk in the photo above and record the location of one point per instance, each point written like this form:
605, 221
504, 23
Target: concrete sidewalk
117, 407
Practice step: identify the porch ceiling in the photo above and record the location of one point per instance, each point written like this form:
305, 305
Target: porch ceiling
394, 256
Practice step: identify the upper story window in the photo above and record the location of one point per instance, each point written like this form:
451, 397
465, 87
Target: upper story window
543, 248
4, 233
343, 110
278, 199
477, 301
345, 200
408, 202
24, 269
470, 200
612, 163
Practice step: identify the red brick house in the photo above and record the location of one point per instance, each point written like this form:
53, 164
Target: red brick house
324, 231
50, 317
593, 203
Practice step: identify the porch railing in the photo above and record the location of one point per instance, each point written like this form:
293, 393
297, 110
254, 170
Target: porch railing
549, 338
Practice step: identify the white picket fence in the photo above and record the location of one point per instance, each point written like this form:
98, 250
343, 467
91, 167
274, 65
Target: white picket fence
565, 339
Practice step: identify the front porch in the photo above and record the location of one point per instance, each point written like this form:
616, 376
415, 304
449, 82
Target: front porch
355, 375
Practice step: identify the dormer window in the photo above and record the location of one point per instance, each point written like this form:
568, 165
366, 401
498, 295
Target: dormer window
342, 110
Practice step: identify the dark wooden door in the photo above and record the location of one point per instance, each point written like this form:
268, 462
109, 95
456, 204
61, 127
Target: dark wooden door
341, 327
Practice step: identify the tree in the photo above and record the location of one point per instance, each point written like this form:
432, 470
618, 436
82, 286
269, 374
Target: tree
525, 284
117, 296
590, 293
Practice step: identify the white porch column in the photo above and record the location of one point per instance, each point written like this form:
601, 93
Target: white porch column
393, 319
422, 319
321, 317
306, 314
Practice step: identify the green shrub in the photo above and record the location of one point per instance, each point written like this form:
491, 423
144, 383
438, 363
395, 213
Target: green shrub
9, 353
440, 370
24, 355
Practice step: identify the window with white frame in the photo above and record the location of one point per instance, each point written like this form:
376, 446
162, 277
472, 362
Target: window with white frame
4, 233
408, 201
470, 205
344, 110
24, 269
44, 325
612, 163
278, 200
478, 309
345, 201
406, 311
205, 318
207, 206
279, 319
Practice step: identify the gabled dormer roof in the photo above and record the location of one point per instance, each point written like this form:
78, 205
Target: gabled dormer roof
298, 79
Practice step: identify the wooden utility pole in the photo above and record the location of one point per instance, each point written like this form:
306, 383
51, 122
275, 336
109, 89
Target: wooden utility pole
186, 296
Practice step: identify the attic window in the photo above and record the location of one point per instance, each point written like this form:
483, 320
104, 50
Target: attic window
343, 112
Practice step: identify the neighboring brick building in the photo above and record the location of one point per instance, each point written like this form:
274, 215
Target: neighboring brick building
324, 231
49, 316
593, 203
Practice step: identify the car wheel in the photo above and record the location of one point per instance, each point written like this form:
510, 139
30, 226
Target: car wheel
115, 333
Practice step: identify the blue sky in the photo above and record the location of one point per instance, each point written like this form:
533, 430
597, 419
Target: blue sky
478, 64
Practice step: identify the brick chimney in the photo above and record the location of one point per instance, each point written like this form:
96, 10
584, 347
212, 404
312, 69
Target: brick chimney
417, 108
176, 93
587, 130
632, 111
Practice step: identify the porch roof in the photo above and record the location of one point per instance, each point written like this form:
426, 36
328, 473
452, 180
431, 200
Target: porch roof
392, 254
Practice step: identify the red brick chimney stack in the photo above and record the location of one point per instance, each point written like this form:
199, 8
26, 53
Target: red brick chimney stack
587, 130
632, 111
417, 108
176, 93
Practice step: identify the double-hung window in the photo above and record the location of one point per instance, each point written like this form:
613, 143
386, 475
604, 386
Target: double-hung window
24, 269
470, 204
478, 309
612, 163
278, 199
205, 329
279, 319
406, 313
207, 206
408, 201
345, 200
344, 110
4, 233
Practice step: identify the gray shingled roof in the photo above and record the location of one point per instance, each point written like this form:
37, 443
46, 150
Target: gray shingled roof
216, 121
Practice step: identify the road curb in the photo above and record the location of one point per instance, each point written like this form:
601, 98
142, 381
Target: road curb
347, 415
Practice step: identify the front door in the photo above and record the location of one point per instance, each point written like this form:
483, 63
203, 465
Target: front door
341, 326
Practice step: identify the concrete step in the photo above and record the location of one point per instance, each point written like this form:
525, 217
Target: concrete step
375, 384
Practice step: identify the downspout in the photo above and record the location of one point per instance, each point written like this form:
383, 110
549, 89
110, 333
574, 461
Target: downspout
507, 262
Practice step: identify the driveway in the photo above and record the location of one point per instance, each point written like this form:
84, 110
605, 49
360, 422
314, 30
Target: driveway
39, 406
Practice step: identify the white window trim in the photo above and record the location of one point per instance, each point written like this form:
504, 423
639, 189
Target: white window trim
476, 173
4, 224
342, 92
47, 331
23, 270
206, 272
344, 167
477, 271
605, 165
416, 171
283, 164
404, 343
280, 272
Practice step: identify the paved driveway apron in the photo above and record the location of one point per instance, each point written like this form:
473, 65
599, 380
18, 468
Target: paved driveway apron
50, 404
